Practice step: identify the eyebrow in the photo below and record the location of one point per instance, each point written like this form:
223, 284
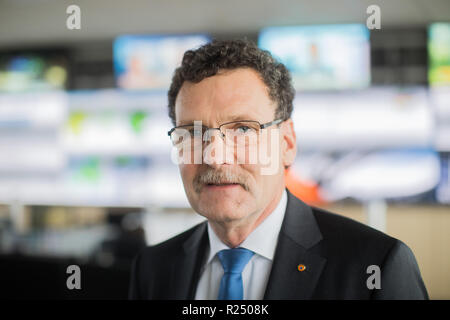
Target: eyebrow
239, 117
230, 119
185, 123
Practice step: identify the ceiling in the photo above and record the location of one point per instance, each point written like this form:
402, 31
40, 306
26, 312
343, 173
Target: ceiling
29, 22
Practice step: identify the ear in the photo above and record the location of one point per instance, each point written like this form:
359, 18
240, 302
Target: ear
289, 142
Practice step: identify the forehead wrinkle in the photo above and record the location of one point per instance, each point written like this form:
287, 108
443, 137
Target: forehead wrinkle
222, 98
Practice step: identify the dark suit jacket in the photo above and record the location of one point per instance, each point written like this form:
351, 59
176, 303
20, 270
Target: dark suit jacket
335, 250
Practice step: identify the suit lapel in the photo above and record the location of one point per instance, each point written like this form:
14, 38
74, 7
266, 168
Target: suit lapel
299, 233
186, 270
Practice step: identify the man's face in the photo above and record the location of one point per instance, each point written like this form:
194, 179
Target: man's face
226, 189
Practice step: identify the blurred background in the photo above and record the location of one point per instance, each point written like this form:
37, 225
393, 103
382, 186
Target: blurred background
85, 170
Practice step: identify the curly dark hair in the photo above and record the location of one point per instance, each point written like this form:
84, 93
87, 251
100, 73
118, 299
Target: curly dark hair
207, 60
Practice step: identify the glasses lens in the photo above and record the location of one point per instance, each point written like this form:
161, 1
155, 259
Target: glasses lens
241, 132
185, 136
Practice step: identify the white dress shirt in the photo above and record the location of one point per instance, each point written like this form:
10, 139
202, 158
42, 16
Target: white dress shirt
262, 241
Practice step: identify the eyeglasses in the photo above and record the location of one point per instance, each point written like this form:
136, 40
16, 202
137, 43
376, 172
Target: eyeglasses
244, 131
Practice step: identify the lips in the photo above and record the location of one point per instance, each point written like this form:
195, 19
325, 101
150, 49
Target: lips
221, 183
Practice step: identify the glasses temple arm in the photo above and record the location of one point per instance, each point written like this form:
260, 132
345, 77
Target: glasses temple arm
274, 122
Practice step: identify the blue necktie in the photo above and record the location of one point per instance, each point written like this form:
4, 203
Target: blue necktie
233, 262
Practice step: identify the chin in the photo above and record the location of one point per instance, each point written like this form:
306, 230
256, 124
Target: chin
223, 209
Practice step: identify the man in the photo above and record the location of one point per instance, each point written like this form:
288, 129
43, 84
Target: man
259, 241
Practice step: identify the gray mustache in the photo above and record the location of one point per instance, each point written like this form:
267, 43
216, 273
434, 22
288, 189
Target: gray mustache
212, 176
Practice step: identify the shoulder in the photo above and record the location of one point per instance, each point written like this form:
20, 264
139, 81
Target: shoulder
333, 224
153, 263
169, 248
339, 232
352, 247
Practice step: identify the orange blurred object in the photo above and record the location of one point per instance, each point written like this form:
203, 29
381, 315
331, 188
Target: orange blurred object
307, 191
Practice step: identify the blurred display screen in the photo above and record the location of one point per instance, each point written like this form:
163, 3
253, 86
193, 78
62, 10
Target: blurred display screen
402, 175
440, 100
116, 122
110, 147
96, 147
378, 117
322, 56
33, 71
443, 189
148, 62
439, 54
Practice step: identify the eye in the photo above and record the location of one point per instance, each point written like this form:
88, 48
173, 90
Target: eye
195, 132
243, 129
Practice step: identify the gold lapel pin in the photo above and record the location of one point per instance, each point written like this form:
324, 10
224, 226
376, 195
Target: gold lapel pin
301, 267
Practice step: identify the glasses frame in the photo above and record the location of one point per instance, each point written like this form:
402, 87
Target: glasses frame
261, 126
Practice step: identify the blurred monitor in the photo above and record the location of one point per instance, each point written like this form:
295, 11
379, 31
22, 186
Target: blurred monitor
322, 56
116, 122
36, 70
440, 101
443, 189
439, 54
397, 174
148, 61
376, 117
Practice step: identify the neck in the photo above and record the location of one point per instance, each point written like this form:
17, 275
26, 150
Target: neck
233, 233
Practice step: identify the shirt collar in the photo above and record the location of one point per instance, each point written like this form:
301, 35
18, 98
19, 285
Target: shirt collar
262, 240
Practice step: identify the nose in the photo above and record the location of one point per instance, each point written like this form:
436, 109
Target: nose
213, 132
214, 149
